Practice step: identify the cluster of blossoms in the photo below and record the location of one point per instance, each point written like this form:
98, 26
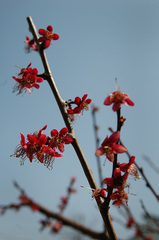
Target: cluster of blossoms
81, 105
27, 79
119, 181
47, 37
41, 147
111, 147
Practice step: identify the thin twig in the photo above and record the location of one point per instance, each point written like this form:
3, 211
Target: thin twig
95, 127
153, 219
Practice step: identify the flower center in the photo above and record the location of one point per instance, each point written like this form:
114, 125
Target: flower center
58, 140
84, 105
29, 81
108, 150
49, 35
117, 97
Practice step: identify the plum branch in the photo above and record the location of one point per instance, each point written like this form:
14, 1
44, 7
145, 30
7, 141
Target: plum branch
62, 106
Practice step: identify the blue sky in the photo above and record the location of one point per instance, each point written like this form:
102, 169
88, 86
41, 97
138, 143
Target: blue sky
99, 41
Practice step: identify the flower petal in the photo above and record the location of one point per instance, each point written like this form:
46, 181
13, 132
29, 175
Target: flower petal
117, 172
107, 101
84, 97
99, 151
63, 131
110, 157
32, 138
61, 147
124, 167
54, 132
47, 43
116, 106
114, 137
22, 139
41, 31
109, 181
42, 139
129, 102
50, 28
68, 140
56, 36
77, 100
119, 148
132, 160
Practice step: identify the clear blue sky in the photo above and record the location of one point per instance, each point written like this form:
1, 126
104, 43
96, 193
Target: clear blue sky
99, 41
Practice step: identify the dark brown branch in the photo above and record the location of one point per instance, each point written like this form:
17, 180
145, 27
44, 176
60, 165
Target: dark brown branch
62, 106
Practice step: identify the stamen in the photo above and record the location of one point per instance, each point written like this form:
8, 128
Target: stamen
116, 85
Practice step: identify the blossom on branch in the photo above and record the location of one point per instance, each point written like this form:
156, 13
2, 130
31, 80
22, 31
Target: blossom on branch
27, 79
117, 98
130, 168
120, 197
82, 104
109, 147
117, 181
59, 139
47, 36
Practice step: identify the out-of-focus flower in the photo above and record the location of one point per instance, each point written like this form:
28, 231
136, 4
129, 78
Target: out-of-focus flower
30, 45
56, 227
109, 147
47, 36
149, 238
95, 108
24, 200
130, 222
27, 79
